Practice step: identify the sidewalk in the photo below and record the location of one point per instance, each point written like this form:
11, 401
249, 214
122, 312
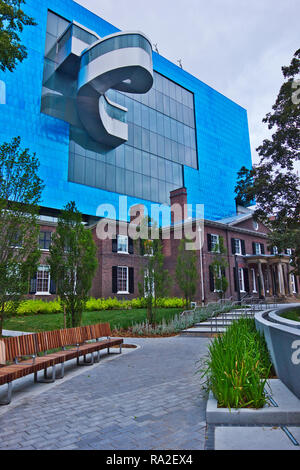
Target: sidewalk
146, 398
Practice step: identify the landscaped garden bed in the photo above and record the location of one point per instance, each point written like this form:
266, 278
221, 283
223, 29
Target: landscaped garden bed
126, 321
120, 319
291, 314
238, 367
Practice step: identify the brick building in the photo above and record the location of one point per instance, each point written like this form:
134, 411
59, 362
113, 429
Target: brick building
253, 267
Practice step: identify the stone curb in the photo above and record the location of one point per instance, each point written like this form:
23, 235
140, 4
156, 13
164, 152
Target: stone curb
245, 417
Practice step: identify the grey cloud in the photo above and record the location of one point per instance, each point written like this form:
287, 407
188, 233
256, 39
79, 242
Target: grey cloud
236, 46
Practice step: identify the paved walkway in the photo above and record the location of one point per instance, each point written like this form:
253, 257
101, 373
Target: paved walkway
149, 398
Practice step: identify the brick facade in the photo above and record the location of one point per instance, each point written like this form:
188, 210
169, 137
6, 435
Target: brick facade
245, 230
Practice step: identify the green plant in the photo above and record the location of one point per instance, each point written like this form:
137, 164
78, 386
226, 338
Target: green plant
12, 22
238, 366
186, 272
36, 307
73, 262
20, 193
39, 306
218, 267
274, 181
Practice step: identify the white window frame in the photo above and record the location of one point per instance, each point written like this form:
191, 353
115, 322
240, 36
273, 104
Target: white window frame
127, 280
275, 250
293, 283
45, 249
257, 251
124, 238
239, 251
214, 243
43, 268
241, 279
254, 289
289, 251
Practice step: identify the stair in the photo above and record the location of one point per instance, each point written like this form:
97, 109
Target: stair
217, 325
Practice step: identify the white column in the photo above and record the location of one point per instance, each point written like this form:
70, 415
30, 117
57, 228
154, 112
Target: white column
261, 279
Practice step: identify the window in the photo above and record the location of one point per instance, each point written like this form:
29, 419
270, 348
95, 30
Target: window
122, 244
238, 246
255, 225
43, 280
147, 247
149, 289
257, 248
288, 251
44, 240
241, 280
214, 242
17, 240
122, 280
254, 287
293, 284
275, 250
217, 275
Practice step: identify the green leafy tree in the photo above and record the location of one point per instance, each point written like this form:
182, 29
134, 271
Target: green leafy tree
12, 22
186, 272
156, 279
274, 183
73, 262
219, 266
20, 193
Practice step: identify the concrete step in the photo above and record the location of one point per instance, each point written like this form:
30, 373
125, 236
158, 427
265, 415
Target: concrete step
201, 331
207, 324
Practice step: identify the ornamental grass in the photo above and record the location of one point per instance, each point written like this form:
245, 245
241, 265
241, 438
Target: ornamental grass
238, 366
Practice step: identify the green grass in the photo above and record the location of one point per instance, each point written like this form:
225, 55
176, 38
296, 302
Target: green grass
116, 318
292, 314
238, 366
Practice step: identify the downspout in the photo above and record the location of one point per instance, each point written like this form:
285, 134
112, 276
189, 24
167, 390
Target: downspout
201, 266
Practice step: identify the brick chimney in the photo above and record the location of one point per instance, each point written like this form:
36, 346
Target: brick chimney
178, 198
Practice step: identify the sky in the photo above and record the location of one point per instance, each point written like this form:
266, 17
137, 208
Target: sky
236, 46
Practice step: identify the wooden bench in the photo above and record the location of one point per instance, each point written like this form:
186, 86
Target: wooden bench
50, 348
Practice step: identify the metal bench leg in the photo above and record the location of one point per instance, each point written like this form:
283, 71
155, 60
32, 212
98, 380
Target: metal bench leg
45, 379
85, 362
7, 400
120, 349
97, 356
62, 371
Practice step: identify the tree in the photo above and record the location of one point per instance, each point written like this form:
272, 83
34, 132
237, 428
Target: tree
218, 267
274, 183
186, 272
20, 192
12, 22
156, 279
73, 262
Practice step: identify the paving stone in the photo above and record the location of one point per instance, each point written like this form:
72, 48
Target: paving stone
252, 438
126, 403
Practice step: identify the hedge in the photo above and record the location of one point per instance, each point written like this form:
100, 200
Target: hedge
37, 307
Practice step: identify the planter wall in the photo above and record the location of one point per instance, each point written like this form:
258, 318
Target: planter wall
283, 340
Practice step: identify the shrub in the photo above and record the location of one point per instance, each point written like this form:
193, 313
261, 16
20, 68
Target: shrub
238, 366
35, 307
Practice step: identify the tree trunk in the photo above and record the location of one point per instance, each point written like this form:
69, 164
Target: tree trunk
1, 318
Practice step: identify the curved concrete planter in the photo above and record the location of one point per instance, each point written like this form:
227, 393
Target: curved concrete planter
283, 340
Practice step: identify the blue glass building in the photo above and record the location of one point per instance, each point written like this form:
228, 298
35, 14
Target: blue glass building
181, 132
